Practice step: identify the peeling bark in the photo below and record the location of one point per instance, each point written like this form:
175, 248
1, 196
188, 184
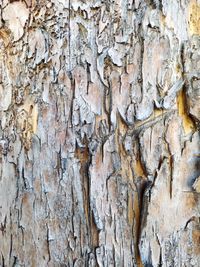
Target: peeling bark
99, 141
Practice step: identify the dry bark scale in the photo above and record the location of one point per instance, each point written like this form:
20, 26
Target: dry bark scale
99, 142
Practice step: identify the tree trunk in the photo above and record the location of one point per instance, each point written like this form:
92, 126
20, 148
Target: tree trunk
99, 112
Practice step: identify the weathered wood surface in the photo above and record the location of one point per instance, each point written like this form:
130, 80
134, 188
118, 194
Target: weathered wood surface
99, 112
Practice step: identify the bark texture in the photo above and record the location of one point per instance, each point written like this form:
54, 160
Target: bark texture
99, 143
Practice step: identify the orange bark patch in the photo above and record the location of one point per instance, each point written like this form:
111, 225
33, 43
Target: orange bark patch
137, 214
138, 168
5, 36
188, 124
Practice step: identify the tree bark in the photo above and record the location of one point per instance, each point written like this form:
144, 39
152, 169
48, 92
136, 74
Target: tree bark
99, 113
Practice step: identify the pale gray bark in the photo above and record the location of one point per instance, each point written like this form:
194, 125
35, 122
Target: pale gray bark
99, 112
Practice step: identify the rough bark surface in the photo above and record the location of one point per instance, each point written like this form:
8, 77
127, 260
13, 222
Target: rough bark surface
99, 143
